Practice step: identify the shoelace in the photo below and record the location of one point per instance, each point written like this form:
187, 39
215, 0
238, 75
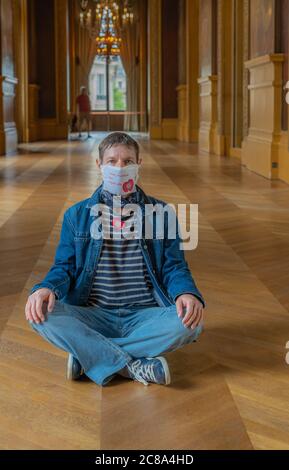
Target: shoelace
139, 370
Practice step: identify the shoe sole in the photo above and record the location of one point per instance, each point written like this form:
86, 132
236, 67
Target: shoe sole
166, 368
69, 367
69, 375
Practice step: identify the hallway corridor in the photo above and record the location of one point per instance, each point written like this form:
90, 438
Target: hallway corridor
230, 389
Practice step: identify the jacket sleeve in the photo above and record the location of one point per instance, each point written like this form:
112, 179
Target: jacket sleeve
60, 275
176, 274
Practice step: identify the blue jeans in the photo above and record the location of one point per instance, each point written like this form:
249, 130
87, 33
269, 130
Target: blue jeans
105, 340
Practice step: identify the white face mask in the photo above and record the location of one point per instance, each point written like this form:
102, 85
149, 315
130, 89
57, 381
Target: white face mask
120, 180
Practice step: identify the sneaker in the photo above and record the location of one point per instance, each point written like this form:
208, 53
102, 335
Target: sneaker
74, 369
149, 369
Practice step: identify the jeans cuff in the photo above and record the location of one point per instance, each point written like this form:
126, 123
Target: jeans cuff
101, 379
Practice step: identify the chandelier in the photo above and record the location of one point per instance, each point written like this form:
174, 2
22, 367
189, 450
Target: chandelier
108, 41
105, 23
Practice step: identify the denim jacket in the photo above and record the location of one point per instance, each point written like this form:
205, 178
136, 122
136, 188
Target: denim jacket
78, 252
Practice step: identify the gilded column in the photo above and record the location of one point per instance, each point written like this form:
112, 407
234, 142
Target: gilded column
245, 70
208, 80
182, 88
154, 52
61, 10
224, 69
192, 70
8, 81
143, 65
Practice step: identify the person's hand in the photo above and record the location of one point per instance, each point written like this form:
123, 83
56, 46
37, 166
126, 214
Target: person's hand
190, 309
41, 299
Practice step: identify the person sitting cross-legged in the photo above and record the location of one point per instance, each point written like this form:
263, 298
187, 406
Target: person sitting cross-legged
117, 303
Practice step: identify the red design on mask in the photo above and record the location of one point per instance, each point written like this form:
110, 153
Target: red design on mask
127, 185
118, 223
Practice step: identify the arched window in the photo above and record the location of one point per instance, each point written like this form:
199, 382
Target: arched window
107, 85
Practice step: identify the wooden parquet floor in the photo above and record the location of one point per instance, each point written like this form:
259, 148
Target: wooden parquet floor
230, 389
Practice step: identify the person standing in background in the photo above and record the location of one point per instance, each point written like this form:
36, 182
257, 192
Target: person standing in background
83, 111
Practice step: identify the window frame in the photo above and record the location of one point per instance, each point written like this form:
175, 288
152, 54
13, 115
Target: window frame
106, 80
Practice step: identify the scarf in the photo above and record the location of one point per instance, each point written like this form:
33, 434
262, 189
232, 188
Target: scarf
106, 197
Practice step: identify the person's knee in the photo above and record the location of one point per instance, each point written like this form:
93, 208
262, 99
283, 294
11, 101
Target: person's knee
58, 307
181, 330
37, 327
190, 333
49, 317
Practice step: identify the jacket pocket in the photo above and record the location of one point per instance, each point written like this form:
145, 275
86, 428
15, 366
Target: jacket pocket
81, 248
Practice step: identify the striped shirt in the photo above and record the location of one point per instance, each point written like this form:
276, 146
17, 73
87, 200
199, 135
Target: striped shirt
121, 279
